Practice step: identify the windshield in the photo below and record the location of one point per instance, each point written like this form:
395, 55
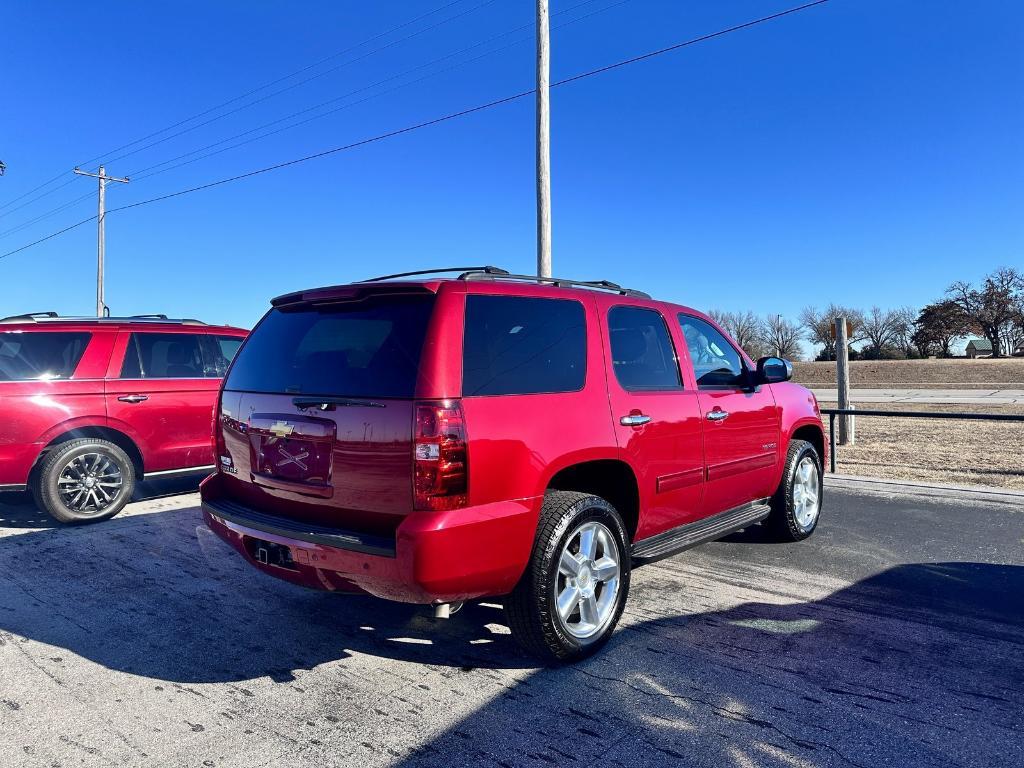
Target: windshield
369, 348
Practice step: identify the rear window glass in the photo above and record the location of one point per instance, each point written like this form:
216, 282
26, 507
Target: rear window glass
518, 346
27, 356
369, 348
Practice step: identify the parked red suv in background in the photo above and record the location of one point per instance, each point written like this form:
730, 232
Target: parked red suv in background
440, 440
90, 405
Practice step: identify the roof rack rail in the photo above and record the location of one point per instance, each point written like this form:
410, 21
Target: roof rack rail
465, 270
28, 316
43, 317
558, 282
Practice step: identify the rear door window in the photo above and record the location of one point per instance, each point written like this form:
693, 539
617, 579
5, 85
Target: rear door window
642, 354
368, 348
516, 345
163, 356
42, 355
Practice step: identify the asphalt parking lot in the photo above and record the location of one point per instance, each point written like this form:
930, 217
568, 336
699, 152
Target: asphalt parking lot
895, 636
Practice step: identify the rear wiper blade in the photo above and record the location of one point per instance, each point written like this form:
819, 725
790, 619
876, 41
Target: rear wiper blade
329, 403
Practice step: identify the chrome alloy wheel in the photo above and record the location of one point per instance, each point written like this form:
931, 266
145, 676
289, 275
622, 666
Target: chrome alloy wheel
587, 584
90, 483
806, 489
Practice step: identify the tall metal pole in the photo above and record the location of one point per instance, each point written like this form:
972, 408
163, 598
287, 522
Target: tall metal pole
543, 143
101, 245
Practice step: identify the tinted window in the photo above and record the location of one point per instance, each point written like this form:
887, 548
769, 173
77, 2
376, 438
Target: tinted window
26, 356
715, 360
519, 346
218, 352
642, 353
368, 348
163, 356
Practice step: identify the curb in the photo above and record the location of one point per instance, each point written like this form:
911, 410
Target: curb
977, 493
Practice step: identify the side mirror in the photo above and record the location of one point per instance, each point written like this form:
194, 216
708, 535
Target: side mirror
772, 370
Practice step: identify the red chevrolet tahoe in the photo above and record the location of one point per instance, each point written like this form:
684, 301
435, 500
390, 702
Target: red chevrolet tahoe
439, 440
90, 405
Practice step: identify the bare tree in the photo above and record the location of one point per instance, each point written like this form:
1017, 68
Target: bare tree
820, 326
885, 331
744, 327
782, 338
995, 307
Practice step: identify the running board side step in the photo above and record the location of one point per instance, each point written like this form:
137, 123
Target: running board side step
684, 537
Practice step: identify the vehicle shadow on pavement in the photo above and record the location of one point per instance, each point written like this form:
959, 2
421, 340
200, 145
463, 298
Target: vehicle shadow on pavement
18, 510
919, 665
922, 661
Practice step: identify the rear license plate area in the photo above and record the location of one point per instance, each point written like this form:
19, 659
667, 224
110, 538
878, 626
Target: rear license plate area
270, 553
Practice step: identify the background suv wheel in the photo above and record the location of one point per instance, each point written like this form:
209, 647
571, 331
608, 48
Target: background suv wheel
84, 481
571, 596
796, 504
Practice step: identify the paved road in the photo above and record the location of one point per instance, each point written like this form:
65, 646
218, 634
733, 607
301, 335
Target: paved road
959, 396
895, 636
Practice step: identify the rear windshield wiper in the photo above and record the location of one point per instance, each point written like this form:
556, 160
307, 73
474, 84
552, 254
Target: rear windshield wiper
330, 403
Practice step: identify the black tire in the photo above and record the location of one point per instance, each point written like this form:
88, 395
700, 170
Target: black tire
100, 453
784, 521
531, 609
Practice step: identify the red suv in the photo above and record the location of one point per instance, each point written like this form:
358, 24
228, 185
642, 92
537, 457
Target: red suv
90, 405
440, 440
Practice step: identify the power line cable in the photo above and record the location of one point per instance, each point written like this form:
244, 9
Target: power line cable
260, 100
437, 120
142, 173
236, 99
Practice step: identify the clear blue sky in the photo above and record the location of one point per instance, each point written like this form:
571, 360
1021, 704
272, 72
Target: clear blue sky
865, 151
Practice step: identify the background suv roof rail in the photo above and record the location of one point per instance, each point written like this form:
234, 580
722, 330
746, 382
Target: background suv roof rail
559, 282
465, 270
44, 317
27, 317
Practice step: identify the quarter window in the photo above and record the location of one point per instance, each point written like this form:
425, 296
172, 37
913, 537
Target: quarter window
218, 352
40, 355
716, 363
642, 353
163, 356
516, 345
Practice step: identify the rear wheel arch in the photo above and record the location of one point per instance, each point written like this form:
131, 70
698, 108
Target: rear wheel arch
611, 479
118, 438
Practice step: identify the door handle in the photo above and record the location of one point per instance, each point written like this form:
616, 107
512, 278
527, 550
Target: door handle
634, 420
717, 415
133, 398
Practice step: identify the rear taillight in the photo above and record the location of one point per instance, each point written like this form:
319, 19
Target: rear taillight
439, 456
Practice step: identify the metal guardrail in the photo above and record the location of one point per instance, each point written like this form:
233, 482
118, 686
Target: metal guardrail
833, 412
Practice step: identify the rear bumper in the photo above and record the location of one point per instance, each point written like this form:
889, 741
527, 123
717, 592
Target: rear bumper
434, 556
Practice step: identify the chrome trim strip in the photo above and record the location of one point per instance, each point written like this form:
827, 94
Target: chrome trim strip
183, 471
13, 486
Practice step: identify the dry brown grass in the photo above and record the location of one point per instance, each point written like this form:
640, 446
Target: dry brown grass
1005, 373
941, 450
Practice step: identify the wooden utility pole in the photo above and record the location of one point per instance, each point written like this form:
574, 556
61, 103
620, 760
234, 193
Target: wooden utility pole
543, 143
101, 246
847, 433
